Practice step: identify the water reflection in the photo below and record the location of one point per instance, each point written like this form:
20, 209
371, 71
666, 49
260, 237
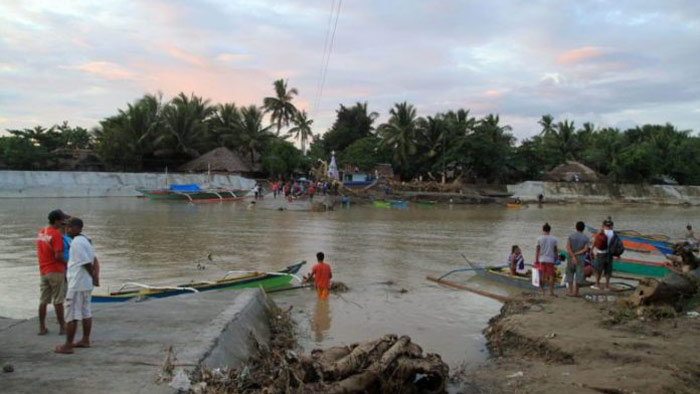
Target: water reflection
321, 319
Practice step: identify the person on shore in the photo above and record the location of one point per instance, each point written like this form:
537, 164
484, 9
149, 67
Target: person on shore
690, 236
603, 260
80, 285
52, 268
516, 260
275, 187
312, 191
321, 275
577, 247
285, 189
546, 254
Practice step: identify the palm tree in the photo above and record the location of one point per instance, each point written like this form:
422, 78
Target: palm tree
565, 139
185, 121
251, 131
280, 107
399, 133
223, 125
548, 126
302, 129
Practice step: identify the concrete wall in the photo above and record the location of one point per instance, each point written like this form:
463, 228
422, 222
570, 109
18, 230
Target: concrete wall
39, 184
601, 192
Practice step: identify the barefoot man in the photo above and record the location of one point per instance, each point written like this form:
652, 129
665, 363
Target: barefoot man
546, 254
80, 285
52, 267
321, 274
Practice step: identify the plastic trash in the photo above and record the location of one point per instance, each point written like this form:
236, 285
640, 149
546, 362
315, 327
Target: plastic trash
181, 381
518, 374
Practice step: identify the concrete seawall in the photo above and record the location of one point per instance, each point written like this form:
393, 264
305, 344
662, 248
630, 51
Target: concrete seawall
43, 184
130, 342
601, 193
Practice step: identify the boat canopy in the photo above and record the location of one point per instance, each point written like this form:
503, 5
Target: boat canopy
192, 187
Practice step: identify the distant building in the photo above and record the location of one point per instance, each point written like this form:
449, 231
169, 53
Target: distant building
384, 170
572, 171
222, 160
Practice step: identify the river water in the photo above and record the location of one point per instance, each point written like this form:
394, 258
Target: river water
162, 243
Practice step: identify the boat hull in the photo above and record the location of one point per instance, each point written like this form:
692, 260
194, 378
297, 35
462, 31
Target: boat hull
265, 281
503, 276
204, 195
640, 268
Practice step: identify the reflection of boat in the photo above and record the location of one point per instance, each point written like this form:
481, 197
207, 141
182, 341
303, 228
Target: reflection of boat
244, 279
513, 205
193, 193
426, 202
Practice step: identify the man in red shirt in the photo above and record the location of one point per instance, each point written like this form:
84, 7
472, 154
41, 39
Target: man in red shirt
52, 267
321, 274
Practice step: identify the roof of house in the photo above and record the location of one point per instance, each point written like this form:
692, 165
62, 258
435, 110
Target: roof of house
220, 160
570, 171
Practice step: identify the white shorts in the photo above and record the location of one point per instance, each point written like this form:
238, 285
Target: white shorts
78, 305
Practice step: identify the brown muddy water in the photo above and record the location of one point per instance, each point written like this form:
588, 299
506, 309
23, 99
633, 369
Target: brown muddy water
161, 243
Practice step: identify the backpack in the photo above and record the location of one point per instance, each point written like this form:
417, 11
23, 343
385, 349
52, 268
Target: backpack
616, 248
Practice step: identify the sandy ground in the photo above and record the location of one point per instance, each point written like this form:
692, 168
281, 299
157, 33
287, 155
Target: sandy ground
567, 345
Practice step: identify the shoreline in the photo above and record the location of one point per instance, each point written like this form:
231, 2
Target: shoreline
577, 346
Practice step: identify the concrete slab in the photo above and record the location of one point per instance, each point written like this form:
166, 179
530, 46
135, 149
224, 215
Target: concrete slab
130, 342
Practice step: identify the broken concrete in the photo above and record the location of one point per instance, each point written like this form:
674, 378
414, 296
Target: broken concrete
131, 341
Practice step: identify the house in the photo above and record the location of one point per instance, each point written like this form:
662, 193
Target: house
572, 171
222, 160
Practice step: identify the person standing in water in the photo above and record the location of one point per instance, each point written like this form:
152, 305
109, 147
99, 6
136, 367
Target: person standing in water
321, 274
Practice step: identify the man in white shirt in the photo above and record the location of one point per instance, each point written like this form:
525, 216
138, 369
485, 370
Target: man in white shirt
80, 285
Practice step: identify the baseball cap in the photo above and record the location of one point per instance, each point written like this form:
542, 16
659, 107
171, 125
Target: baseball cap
57, 214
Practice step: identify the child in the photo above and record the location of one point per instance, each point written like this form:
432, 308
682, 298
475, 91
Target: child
321, 274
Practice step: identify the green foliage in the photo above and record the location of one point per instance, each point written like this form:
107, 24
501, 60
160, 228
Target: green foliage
351, 124
281, 158
364, 154
280, 106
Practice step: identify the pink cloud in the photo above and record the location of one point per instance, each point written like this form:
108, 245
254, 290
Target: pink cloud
492, 93
106, 70
579, 55
190, 58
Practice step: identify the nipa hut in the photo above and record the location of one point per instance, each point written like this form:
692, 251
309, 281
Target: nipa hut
221, 160
572, 171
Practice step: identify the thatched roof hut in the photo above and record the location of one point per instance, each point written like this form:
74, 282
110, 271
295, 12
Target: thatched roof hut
572, 171
220, 160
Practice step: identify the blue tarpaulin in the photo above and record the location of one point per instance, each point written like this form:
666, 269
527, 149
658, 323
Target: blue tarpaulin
192, 187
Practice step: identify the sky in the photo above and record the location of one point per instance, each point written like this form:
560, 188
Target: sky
614, 63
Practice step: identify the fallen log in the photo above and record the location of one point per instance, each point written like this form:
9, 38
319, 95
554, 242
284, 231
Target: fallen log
665, 290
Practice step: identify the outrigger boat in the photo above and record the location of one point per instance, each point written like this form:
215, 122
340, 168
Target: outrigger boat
242, 280
502, 275
193, 193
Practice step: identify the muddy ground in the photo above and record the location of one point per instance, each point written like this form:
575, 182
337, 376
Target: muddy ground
571, 345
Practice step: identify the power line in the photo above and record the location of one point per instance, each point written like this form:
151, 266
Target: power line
323, 57
328, 57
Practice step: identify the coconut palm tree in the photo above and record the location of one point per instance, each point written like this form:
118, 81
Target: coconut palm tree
251, 131
548, 126
280, 107
302, 129
565, 139
185, 120
223, 125
399, 133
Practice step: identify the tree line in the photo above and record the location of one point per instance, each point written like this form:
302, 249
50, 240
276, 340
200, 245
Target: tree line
150, 134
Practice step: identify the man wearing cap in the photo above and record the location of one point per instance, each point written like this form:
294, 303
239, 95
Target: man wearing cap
80, 285
603, 257
52, 268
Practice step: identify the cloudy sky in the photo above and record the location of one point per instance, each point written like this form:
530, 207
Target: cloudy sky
615, 63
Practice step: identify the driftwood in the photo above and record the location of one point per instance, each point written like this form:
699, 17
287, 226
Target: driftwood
666, 290
387, 364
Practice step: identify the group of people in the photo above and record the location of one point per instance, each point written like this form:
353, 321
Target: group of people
69, 271
291, 190
582, 252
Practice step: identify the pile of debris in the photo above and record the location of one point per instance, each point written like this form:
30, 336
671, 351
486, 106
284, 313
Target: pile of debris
388, 364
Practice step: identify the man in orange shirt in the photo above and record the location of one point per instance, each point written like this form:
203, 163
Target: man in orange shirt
321, 274
52, 267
